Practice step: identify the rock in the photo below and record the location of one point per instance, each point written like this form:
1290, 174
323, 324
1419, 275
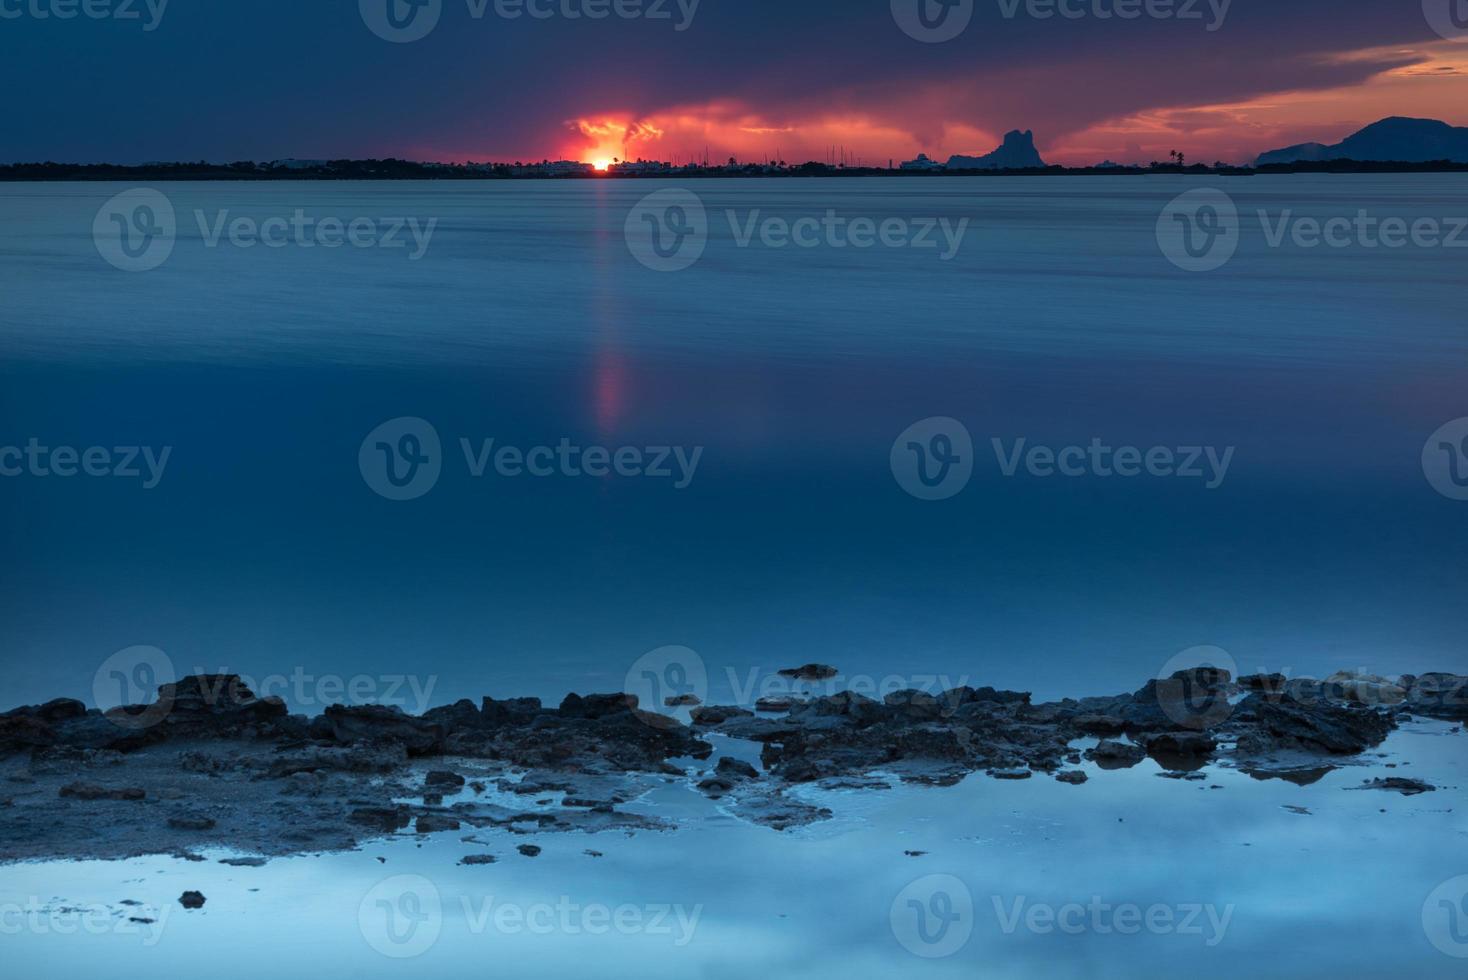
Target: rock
189, 821
1440, 696
1179, 744
389, 818
593, 854
472, 859
718, 714
380, 723
915, 854
1072, 776
734, 767
1116, 755
443, 778
810, 672
1010, 773
596, 706
682, 701
1099, 725
513, 711
1319, 725
529, 850
429, 823
192, 900
89, 791
245, 862
777, 704
1398, 784
716, 786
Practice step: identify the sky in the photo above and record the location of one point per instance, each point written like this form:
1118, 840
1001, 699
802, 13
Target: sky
143, 80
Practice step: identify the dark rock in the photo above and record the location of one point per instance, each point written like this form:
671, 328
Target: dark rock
682, 701
1336, 729
380, 723
188, 821
810, 672
596, 706
90, 791
1116, 755
513, 711
1072, 776
429, 823
1010, 773
192, 900
472, 859
718, 714
245, 862
389, 818
529, 850
780, 704
716, 786
443, 778
735, 767
1398, 784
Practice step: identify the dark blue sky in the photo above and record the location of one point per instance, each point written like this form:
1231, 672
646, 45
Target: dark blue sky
263, 79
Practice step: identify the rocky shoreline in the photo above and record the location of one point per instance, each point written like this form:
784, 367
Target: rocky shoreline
211, 766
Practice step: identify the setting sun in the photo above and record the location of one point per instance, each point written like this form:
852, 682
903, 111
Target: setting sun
601, 164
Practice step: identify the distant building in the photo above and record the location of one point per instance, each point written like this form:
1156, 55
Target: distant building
299, 164
567, 168
1110, 165
639, 167
922, 163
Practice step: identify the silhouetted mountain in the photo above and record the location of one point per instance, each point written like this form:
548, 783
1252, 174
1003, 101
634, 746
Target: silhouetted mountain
1017, 153
1398, 139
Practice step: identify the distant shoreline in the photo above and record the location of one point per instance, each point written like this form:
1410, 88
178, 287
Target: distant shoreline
398, 170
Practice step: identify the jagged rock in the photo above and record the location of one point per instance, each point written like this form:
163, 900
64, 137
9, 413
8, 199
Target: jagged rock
1116, 755
1336, 729
1442, 696
682, 701
89, 791
718, 714
1399, 784
428, 823
1072, 776
443, 778
596, 706
1010, 773
389, 818
190, 821
780, 704
380, 723
736, 768
810, 672
192, 900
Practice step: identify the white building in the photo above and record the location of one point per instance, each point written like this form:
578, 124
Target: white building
922, 163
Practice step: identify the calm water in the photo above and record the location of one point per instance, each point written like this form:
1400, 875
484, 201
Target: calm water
527, 320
